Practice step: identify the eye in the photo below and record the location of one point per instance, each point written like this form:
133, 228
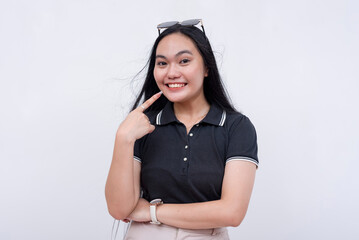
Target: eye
160, 63
185, 60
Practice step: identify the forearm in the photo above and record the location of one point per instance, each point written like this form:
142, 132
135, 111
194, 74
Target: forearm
230, 210
203, 215
123, 182
121, 195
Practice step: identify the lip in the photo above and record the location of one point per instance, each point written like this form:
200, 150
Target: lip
175, 86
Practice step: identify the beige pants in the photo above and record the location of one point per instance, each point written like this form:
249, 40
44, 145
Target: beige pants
144, 231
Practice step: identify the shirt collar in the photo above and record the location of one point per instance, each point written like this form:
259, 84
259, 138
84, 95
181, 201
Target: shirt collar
215, 116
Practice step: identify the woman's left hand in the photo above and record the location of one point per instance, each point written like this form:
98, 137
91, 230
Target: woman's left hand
141, 212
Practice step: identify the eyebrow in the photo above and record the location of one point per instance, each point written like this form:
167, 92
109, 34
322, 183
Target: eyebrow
177, 54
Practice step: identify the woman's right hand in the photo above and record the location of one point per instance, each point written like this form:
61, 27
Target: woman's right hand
137, 124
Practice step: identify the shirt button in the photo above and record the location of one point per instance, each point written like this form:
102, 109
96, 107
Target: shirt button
197, 125
185, 159
191, 134
186, 146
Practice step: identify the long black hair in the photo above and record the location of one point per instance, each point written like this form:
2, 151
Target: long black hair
213, 88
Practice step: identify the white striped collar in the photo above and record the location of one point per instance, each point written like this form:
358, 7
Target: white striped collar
215, 116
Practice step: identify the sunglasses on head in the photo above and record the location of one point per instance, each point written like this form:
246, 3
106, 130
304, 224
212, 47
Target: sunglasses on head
191, 22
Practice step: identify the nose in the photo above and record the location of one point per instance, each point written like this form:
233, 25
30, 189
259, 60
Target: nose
173, 72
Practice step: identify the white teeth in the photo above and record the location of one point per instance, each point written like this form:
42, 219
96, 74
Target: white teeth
176, 85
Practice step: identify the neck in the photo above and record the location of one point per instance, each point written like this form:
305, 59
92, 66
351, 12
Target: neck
191, 110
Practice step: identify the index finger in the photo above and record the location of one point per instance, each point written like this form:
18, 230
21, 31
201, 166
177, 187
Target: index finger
149, 102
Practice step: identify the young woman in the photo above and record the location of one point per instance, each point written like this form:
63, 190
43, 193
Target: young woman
184, 160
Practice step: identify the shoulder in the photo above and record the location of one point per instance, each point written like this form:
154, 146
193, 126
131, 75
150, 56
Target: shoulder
242, 138
236, 119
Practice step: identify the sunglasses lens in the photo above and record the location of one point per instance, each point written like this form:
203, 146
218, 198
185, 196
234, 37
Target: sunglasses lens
190, 22
167, 24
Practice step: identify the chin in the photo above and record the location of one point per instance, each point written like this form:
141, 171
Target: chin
174, 97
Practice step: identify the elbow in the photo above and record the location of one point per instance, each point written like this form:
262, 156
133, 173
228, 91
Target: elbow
118, 214
118, 209
234, 218
235, 222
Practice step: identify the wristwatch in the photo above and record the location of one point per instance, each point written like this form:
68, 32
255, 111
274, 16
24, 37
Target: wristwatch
153, 206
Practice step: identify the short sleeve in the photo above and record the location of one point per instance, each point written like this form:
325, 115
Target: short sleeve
137, 151
242, 141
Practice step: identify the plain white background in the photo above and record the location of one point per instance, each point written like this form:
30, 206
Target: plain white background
66, 69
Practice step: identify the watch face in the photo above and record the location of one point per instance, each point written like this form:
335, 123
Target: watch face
156, 201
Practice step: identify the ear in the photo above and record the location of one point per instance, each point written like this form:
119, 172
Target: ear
206, 72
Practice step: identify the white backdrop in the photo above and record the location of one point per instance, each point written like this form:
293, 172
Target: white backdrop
66, 69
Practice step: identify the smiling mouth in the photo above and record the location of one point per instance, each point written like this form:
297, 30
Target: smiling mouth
176, 85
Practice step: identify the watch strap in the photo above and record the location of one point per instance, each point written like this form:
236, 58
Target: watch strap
153, 208
153, 215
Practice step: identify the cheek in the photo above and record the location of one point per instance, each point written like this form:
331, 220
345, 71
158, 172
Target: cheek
195, 75
158, 74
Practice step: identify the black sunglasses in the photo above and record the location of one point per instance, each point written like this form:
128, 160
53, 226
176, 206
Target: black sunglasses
191, 22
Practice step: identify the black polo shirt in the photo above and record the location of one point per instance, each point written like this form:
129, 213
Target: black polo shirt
186, 168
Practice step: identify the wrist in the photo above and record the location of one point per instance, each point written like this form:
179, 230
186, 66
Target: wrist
154, 204
158, 213
124, 138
